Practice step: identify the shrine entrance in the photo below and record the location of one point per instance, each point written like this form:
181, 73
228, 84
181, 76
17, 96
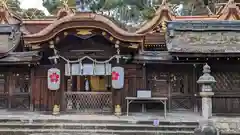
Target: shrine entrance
88, 90
87, 66
86, 47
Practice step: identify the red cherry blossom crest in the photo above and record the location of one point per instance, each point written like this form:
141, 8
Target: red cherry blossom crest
115, 75
54, 77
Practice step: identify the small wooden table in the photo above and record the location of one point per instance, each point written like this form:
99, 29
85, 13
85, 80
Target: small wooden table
163, 100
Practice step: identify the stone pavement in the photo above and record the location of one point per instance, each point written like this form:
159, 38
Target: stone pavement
229, 125
171, 117
224, 124
36, 123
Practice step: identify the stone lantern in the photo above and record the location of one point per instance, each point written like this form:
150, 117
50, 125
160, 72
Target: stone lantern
206, 129
206, 81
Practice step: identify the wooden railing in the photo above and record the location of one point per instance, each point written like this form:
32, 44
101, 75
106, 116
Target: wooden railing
226, 103
88, 102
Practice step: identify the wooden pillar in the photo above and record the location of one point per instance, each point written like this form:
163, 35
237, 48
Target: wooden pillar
117, 94
9, 83
62, 86
116, 97
194, 90
74, 83
144, 73
32, 87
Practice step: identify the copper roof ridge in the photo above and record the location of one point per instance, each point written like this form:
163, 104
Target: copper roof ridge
82, 17
164, 7
228, 5
8, 13
65, 10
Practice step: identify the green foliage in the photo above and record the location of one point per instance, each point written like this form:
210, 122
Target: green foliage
111, 4
124, 9
148, 13
71, 3
14, 5
33, 13
97, 5
135, 11
51, 5
197, 7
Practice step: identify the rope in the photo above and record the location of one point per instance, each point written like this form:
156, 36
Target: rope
87, 57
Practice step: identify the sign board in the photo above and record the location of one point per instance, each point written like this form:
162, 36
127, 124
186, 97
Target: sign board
156, 123
53, 79
144, 94
117, 77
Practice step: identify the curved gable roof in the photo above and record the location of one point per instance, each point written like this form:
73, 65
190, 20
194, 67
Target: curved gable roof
163, 13
84, 20
7, 16
229, 12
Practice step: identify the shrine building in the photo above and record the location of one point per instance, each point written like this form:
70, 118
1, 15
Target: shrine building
95, 64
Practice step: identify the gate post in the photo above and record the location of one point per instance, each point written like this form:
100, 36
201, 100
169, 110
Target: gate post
206, 81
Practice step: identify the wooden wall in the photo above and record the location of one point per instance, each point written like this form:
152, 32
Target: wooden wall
14, 87
137, 77
134, 80
226, 100
175, 81
42, 98
227, 89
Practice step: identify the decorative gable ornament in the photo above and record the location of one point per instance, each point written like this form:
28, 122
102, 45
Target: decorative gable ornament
117, 77
53, 79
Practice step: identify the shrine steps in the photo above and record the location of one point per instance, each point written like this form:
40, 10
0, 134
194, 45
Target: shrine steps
90, 132
92, 127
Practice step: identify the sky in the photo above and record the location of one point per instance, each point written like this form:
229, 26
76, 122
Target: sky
25, 4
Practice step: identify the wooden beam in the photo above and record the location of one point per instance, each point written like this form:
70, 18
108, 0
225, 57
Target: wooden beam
221, 4
206, 55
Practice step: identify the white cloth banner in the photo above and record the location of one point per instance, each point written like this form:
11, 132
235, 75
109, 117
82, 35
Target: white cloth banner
67, 69
75, 69
88, 69
102, 69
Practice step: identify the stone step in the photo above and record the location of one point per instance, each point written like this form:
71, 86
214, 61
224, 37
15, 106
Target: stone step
145, 122
229, 133
89, 132
97, 126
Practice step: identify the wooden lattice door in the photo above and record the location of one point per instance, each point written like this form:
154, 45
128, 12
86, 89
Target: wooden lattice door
19, 91
159, 85
226, 97
181, 91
